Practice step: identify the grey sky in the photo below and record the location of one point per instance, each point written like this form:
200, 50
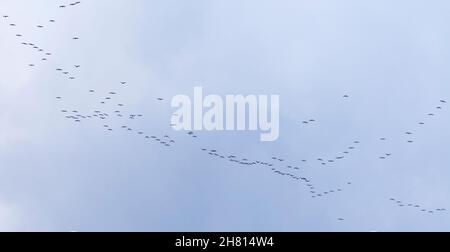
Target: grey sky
390, 57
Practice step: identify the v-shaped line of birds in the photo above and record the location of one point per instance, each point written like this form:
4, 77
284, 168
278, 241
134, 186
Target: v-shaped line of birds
278, 166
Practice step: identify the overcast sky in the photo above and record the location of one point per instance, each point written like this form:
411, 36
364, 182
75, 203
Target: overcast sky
390, 57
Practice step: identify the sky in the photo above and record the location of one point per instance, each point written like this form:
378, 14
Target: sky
390, 57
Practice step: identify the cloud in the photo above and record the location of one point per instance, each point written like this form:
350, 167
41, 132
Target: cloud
9, 217
383, 54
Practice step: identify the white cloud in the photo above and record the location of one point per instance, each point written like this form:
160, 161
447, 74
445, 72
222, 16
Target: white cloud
9, 217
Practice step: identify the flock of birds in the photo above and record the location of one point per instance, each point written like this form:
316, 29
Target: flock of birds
409, 139
277, 166
112, 108
418, 207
